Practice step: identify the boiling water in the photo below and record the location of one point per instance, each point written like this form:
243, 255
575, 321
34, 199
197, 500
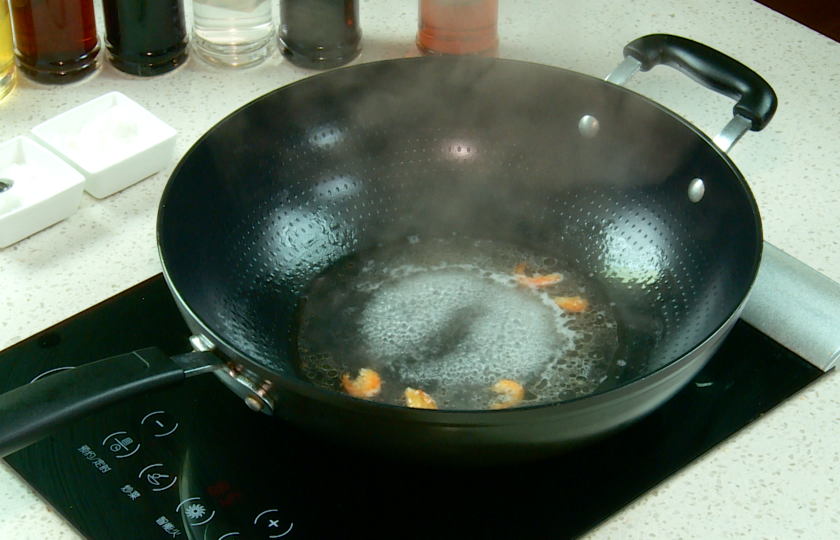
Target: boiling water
449, 317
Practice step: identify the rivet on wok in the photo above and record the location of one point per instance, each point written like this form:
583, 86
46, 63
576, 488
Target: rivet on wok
254, 403
696, 190
589, 126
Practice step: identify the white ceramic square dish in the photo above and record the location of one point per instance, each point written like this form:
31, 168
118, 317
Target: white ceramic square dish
42, 189
111, 140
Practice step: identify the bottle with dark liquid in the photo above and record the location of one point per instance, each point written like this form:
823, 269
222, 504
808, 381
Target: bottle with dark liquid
458, 27
55, 40
145, 37
319, 34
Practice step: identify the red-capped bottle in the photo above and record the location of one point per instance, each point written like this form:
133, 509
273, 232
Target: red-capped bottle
451, 27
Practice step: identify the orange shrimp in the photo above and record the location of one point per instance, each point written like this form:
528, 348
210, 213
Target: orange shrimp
510, 393
573, 304
367, 385
537, 280
418, 399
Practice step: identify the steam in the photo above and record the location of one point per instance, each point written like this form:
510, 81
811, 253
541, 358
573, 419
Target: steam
483, 148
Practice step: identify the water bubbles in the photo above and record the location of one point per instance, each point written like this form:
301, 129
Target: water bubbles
448, 317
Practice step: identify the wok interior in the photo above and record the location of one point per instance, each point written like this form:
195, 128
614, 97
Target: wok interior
483, 148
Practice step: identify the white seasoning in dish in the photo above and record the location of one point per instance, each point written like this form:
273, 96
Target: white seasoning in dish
31, 182
102, 139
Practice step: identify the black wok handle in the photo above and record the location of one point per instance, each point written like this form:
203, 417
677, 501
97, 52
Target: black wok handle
31, 412
756, 99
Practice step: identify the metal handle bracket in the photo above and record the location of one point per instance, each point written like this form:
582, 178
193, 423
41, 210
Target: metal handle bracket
756, 101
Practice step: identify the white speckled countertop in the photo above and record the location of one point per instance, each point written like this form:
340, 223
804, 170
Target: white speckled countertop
778, 478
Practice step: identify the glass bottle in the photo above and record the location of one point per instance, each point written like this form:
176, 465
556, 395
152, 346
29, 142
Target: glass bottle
319, 34
236, 33
145, 37
458, 27
55, 41
7, 52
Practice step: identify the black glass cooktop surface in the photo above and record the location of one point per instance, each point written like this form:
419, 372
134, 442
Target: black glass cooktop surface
194, 462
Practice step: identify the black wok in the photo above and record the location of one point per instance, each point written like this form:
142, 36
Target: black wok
537, 156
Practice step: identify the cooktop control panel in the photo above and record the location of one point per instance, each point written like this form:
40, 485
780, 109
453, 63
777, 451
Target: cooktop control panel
194, 462
148, 470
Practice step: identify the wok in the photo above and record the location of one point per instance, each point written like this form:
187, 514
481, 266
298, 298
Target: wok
303, 178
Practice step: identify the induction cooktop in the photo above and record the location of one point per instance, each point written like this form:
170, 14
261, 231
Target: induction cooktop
194, 462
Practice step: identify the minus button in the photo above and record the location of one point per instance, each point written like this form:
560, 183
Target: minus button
160, 423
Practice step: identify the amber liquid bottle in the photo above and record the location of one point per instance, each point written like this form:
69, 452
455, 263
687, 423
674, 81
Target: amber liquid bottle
55, 40
458, 27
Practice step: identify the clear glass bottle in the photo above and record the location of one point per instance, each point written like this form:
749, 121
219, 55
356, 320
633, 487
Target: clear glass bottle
55, 42
236, 33
145, 37
7, 52
319, 34
458, 27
